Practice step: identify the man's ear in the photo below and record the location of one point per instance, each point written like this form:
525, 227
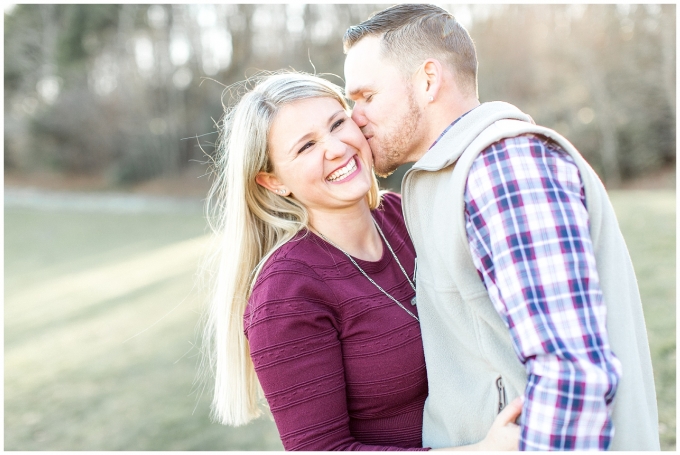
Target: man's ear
433, 74
271, 182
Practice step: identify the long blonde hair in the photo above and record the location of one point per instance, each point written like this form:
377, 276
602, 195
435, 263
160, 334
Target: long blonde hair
249, 223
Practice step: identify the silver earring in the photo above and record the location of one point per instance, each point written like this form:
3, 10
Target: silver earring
431, 98
281, 191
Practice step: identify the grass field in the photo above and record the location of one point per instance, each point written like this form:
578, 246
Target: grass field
647, 220
78, 288
101, 316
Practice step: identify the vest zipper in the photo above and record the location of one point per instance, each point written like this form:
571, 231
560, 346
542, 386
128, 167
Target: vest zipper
502, 400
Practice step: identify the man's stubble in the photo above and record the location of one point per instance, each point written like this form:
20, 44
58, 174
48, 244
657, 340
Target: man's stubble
394, 145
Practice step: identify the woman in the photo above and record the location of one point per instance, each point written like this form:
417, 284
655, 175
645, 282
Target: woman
313, 285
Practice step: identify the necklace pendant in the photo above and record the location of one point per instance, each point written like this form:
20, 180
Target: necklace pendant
413, 301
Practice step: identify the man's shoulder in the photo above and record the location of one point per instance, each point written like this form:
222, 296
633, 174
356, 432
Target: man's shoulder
525, 145
525, 141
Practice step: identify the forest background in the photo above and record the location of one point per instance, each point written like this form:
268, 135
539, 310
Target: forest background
111, 109
118, 91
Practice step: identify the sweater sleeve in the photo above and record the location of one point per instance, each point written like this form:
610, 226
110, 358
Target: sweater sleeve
295, 347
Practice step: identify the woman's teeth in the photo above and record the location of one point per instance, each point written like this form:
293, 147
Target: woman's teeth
343, 171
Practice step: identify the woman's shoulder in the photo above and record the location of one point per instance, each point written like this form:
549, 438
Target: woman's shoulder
300, 254
391, 202
291, 258
295, 267
289, 285
389, 212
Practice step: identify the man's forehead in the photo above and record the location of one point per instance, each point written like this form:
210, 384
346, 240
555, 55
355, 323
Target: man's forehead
362, 64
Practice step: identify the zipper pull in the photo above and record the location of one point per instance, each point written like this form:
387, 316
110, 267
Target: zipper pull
502, 399
415, 270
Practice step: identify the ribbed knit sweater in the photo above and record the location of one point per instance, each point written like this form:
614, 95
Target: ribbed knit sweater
341, 365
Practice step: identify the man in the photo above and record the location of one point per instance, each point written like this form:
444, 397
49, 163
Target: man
524, 283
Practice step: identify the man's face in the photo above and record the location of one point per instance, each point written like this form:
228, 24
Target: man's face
385, 107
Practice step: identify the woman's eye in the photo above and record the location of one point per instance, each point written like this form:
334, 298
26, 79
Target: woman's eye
306, 146
369, 98
337, 124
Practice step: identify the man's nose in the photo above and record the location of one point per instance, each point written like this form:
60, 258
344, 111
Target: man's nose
359, 116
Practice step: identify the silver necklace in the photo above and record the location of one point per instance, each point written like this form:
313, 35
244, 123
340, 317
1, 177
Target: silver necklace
370, 279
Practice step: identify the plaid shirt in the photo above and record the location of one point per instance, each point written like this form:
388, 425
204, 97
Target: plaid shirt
528, 229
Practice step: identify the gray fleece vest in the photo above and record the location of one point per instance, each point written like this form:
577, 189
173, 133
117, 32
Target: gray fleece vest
472, 367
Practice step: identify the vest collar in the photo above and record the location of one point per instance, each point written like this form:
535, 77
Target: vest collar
460, 136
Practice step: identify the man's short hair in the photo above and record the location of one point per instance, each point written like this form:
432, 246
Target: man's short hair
412, 33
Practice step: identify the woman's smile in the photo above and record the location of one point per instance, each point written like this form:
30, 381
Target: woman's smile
346, 172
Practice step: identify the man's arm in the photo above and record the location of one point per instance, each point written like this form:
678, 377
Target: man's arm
528, 229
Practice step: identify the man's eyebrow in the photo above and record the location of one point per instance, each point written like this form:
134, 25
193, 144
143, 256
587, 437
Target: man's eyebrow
354, 91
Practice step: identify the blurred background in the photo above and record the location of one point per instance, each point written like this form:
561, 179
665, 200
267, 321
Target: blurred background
109, 126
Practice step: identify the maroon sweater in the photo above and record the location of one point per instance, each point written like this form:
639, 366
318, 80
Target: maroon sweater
341, 364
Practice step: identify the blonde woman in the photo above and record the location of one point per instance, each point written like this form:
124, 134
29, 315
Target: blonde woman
313, 282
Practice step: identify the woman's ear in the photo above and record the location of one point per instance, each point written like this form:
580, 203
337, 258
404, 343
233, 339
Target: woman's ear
271, 182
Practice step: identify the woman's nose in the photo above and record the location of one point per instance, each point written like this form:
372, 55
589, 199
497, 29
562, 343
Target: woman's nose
335, 148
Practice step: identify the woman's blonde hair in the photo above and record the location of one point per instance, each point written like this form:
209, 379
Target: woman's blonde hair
249, 223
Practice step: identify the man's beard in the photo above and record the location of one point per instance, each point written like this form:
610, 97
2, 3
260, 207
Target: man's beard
394, 146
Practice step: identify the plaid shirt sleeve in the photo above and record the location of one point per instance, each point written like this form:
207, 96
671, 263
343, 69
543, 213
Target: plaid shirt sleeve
528, 229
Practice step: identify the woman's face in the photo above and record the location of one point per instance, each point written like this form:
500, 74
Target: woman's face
319, 155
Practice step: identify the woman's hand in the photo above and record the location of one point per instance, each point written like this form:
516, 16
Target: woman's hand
504, 432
